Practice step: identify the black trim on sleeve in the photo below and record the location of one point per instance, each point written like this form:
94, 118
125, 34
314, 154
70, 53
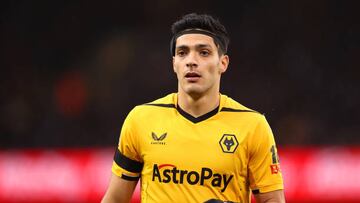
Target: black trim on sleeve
214, 201
255, 192
217, 201
126, 163
129, 178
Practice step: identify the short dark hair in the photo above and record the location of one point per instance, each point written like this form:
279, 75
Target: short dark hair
200, 23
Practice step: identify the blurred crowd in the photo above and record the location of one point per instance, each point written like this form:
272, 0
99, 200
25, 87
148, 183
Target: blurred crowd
70, 72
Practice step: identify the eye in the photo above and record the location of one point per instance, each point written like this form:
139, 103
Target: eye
181, 53
204, 52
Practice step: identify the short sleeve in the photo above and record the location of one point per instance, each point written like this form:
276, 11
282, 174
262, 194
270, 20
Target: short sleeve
127, 162
264, 167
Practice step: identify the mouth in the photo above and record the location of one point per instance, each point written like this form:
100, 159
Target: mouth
190, 75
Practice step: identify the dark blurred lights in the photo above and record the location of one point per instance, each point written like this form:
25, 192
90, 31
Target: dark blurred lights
295, 61
71, 94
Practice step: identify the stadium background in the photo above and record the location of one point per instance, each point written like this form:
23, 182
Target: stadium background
71, 71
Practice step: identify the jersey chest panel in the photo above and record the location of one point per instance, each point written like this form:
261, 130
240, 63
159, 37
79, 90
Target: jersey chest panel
182, 154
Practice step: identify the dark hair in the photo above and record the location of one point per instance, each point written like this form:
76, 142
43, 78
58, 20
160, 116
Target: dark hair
200, 23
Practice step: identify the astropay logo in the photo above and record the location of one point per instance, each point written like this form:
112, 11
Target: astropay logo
166, 173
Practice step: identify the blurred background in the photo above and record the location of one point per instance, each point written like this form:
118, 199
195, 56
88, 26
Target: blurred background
71, 71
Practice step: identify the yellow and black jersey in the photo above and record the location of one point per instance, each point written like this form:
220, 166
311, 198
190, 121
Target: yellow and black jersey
220, 156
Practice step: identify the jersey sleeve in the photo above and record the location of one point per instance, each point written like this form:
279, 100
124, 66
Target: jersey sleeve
127, 162
264, 167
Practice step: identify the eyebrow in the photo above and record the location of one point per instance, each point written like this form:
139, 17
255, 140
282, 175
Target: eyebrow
197, 46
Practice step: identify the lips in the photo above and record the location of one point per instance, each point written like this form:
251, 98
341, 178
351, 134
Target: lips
192, 75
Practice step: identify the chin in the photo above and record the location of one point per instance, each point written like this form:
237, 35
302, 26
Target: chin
194, 92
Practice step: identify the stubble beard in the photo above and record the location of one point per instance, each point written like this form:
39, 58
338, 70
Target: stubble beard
195, 91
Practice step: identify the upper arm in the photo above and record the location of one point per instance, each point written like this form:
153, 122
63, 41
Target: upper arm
276, 196
119, 190
126, 167
264, 168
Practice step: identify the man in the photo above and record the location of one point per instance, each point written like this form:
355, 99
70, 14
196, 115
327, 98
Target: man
196, 145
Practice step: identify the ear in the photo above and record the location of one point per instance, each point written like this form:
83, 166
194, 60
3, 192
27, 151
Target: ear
173, 63
224, 63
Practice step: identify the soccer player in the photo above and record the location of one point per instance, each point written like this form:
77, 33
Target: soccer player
196, 145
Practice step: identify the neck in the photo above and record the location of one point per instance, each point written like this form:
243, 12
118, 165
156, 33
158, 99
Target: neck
196, 105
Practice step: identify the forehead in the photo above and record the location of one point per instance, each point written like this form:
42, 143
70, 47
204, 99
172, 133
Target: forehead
194, 39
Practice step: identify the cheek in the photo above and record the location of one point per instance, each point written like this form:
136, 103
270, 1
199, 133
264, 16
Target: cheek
214, 69
176, 71
175, 67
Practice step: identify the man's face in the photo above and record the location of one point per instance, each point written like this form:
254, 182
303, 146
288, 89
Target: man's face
198, 65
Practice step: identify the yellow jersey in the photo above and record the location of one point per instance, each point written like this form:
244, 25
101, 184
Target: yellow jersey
218, 157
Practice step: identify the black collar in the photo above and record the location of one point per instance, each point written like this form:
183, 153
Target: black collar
197, 119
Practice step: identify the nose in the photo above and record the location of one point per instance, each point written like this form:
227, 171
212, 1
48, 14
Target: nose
191, 65
192, 60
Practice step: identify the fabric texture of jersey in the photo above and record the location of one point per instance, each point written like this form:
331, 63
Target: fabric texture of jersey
222, 155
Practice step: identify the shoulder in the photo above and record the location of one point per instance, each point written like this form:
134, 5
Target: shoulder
240, 115
234, 109
230, 105
165, 103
